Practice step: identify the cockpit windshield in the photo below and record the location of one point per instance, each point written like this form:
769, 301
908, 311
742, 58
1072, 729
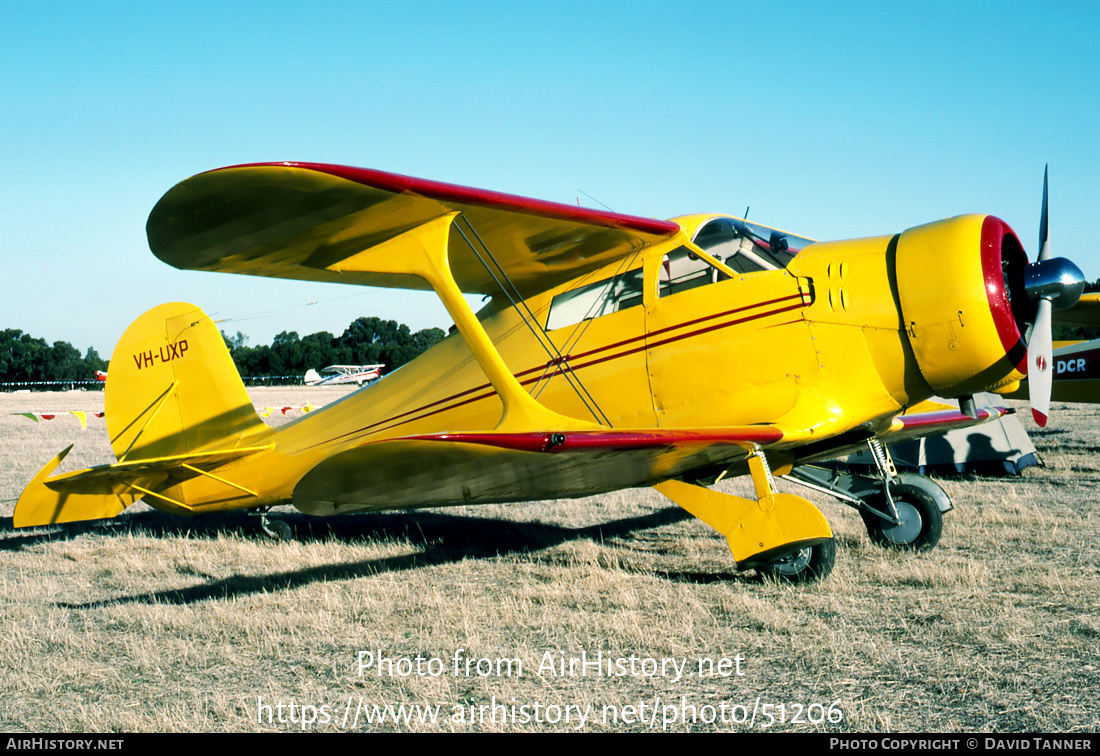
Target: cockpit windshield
748, 247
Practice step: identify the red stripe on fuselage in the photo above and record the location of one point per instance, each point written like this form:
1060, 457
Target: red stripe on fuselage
487, 391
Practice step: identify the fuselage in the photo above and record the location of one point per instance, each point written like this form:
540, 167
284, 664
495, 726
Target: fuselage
816, 348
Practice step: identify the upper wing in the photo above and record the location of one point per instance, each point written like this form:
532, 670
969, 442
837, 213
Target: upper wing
295, 220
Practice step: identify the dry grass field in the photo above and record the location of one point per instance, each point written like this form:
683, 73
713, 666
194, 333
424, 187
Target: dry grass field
155, 623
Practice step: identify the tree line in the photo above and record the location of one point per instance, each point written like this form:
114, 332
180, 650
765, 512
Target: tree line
367, 341
26, 359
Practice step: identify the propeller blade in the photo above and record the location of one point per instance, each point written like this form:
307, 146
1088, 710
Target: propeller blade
1040, 357
1044, 241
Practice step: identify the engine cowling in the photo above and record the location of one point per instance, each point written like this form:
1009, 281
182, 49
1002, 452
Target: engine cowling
962, 298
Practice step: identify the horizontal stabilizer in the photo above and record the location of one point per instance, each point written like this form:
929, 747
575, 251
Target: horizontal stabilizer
101, 492
41, 505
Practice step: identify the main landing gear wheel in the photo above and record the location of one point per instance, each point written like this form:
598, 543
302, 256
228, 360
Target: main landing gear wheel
921, 520
805, 565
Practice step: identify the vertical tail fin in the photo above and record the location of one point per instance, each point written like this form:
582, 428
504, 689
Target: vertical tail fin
172, 387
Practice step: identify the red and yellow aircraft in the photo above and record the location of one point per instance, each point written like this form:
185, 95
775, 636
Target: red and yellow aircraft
615, 352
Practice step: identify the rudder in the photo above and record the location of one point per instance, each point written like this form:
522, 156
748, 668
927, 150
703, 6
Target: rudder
172, 387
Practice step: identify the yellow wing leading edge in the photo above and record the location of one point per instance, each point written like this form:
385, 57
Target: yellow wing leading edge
301, 220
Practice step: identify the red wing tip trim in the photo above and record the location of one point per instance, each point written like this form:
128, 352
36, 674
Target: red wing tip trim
438, 190
951, 417
596, 440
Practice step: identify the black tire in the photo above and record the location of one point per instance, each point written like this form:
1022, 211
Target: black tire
805, 565
279, 531
921, 520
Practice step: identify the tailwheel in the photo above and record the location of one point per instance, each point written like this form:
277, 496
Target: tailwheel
276, 530
805, 565
920, 520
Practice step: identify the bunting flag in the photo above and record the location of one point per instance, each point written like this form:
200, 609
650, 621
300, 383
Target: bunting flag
268, 411
80, 415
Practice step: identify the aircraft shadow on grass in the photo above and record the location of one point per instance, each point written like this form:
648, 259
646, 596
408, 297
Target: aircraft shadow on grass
613, 352
444, 538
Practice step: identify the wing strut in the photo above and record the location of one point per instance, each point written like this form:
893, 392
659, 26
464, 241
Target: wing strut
160, 402
557, 359
423, 251
578, 330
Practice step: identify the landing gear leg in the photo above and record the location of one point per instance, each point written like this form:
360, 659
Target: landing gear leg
781, 535
915, 521
900, 510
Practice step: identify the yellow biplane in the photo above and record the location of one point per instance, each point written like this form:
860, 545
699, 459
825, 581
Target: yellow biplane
614, 352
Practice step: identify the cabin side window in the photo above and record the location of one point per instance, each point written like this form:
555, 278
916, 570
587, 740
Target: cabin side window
595, 299
682, 270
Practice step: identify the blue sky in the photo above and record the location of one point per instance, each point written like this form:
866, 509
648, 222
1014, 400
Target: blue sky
831, 120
